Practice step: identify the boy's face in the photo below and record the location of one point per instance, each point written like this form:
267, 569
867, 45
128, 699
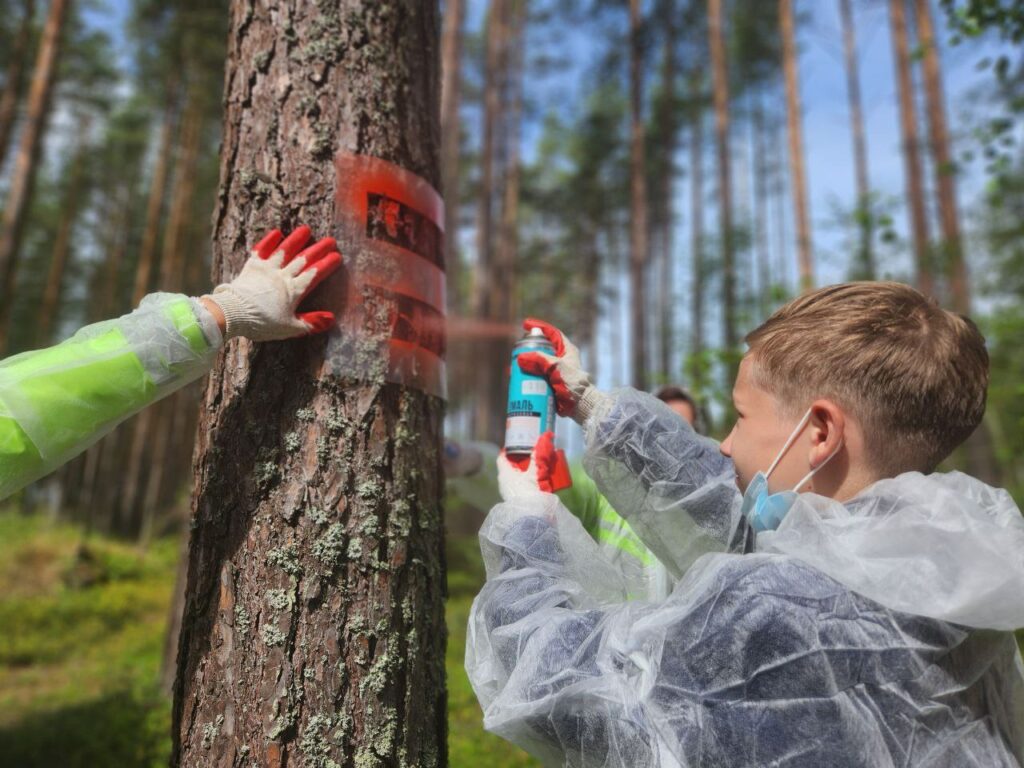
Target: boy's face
760, 432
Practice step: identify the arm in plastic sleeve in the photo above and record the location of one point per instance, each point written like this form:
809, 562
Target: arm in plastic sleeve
56, 402
748, 656
675, 488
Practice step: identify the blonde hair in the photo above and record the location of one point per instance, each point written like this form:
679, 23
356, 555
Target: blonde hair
911, 373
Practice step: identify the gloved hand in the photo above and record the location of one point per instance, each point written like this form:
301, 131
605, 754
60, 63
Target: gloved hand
575, 394
544, 471
261, 303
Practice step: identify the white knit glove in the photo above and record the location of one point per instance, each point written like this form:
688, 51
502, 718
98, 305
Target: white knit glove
262, 302
575, 394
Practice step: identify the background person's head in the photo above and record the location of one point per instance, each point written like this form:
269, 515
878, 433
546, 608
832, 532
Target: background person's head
679, 400
890, 376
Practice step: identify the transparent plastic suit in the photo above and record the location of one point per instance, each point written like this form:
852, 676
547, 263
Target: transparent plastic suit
867, 634
56, 402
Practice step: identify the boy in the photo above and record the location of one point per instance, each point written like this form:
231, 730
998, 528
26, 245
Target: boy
836, 607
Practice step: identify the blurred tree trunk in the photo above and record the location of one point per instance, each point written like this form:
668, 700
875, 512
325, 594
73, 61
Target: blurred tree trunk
637, 200
667, 130
313, 629
23, 174
172, 278
911, 151
942, 162
697, 239
796, 145
489, 408
981, 454
451, 91
720, 88
50, 305
14, 77
866, 259
764, 272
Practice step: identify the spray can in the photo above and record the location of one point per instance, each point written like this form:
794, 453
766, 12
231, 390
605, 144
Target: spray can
531, 400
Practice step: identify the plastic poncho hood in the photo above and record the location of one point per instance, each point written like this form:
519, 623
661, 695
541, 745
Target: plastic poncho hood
945, 546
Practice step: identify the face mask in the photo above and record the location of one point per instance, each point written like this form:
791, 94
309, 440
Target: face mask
765, 510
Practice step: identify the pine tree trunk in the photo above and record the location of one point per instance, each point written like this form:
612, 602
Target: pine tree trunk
14, 77
796, 145
866, 259
667, 129
488, 396
451, 92
942, 162
50, 304
313, 630
720, 86
23, 175
911, 150
638, 202
761, 249
697, 244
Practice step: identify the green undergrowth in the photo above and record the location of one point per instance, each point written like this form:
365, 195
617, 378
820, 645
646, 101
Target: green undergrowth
81, 636
81, 639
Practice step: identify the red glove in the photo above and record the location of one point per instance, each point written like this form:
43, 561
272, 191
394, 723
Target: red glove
575, 395
546, 469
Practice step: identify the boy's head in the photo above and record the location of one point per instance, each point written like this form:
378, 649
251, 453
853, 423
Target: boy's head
889, 375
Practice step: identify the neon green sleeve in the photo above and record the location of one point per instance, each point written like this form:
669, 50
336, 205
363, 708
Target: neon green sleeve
599, 518
56, 402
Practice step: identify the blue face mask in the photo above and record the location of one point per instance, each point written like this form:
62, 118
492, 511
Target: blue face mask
765, 511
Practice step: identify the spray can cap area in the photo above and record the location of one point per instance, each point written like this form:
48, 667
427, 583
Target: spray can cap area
536, 332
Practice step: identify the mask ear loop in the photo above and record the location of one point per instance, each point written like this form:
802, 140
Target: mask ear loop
789, 443
811, 474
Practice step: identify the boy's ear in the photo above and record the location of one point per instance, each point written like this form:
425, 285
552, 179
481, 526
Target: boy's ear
827, 427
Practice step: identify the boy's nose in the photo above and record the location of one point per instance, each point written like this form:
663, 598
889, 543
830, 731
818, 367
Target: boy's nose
726, 445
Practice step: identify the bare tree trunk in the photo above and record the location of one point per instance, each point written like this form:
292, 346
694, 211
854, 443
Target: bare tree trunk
50, 304
911, 152
489, 394
13, 81
942, 162
667, 128
697, 244
155, 204
796, 145
860, 155
451, 90
638, 201
761, 249
313, 630
23, 175
720, 86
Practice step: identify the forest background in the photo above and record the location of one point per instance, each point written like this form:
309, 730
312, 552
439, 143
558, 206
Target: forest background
654, 177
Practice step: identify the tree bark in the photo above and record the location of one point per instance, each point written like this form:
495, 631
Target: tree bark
638, 201
942, 162
23, 175
485, 426
761, 249
697, 243
13, 81
860, 155
667, 129
451, 91
911, 151
720, 86
796, 145
49, 307
313, 630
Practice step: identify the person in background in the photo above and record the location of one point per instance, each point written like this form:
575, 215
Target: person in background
471, 471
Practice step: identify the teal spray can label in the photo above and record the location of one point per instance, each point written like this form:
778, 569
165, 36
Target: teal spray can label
531, 401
